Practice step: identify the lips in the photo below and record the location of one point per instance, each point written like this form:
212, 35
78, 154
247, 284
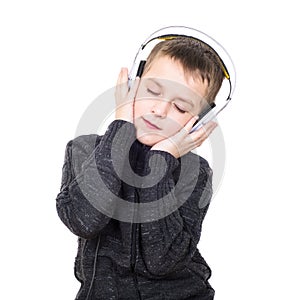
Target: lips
150, 125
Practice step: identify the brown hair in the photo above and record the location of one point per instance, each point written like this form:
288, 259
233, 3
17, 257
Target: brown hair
197, 59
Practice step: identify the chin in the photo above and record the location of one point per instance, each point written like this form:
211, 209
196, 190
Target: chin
149, 140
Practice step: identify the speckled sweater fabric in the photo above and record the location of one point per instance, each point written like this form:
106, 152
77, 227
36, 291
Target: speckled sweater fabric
128, 260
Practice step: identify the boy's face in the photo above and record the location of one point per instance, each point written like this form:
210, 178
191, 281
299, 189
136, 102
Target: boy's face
166, 100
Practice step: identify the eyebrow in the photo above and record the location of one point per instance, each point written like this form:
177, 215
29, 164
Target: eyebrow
178, 98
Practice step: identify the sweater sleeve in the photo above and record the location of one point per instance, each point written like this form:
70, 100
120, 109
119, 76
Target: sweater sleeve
181, 201
89, 185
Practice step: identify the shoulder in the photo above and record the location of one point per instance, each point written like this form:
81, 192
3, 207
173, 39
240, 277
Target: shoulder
203, 173
194, 171
198, 169
84, 143
80, 148
196, 161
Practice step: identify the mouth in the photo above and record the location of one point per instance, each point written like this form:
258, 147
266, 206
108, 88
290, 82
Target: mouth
150, 125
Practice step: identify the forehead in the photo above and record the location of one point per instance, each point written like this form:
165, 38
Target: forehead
171, 71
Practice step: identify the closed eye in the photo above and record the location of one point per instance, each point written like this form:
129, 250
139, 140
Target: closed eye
154, 93
179, 109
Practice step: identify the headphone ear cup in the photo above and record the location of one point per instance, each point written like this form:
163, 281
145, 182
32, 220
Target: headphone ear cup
139, 73
140, 68
206, 110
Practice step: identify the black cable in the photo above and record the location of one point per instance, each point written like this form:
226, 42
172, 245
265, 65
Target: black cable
94, 269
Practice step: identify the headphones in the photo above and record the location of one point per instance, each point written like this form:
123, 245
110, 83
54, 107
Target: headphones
225, 60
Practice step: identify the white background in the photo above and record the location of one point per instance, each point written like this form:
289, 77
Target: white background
58, 56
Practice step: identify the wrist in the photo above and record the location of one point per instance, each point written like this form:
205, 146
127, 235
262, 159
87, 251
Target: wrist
173, 152
159, 157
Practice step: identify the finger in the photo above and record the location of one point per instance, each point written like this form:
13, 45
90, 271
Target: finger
122, 83
205, 130
134, 88
123, 76
210, 126
189, 125
184, 132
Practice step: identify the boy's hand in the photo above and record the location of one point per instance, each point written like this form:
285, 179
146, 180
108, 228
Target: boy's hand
182, 142
125, 98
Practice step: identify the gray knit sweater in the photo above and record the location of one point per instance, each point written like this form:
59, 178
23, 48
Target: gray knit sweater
137, 237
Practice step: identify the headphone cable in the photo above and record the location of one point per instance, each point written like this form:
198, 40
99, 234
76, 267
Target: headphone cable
94, 269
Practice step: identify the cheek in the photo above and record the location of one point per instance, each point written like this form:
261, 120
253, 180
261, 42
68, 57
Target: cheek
178, 121
141, 107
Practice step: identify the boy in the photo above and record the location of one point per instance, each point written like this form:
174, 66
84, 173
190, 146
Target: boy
150, 252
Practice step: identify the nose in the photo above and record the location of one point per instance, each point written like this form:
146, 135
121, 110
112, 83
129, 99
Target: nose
160, 108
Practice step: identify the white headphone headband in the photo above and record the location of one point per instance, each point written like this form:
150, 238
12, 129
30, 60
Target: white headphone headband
176, 31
